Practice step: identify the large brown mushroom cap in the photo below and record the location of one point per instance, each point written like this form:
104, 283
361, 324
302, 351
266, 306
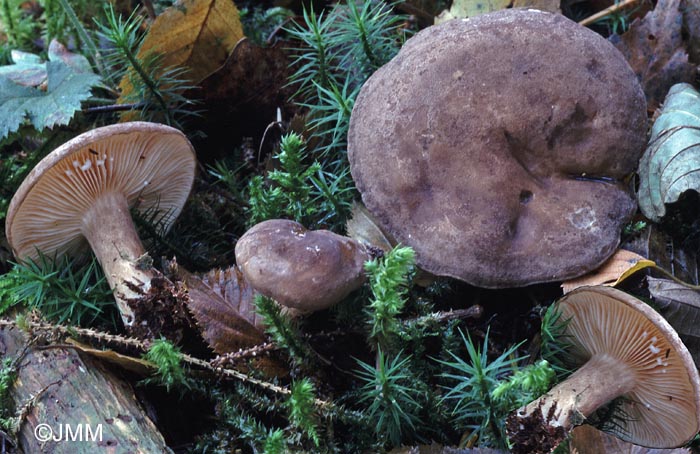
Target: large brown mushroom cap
307, 270
152, 165
496, 147
663, 408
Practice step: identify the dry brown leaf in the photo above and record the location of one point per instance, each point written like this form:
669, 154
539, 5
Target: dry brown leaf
691, 27
242, 97
655, 50
363, 227
589, 440
616, 269
194, 34
136, 365
680, 306
222, 303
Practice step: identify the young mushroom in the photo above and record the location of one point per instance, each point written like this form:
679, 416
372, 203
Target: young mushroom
306, 270
506, 171
623, 350
83, 191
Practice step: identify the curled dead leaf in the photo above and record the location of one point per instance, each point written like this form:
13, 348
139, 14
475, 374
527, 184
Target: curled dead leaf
222, 304
616, 269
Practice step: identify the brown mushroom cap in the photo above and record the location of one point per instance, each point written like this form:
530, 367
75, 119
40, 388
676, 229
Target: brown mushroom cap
496, 147
152, 165
308, 270
663, 408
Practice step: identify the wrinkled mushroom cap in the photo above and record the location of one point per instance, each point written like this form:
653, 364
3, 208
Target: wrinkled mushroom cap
308, 270
663, 409
496, 147
153, 165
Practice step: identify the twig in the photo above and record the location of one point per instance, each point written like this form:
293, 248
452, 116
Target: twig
609, 10
113, 108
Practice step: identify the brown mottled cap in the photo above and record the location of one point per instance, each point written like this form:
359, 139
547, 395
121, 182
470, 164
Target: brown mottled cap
151, 165
497, 146
663, 408
308, 270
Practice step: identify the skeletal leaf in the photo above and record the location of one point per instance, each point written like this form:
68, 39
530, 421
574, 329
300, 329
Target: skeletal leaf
671, 163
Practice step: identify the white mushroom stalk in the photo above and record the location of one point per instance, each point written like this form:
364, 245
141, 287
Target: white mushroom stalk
82, 193
624, 349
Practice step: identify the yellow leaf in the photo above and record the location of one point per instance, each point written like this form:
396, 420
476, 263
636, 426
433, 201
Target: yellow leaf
470, 8
194, 34
619, 267
136, 365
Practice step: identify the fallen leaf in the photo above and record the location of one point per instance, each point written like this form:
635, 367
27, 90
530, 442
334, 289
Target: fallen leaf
439, 449
136, 365
586, 439
471, 8
222, 303
553, 6
242, 98
659, 247
655, 50
30, 71
616, 269
194, 34
671, 163
691, 28
680, 306
65, 90
363, 227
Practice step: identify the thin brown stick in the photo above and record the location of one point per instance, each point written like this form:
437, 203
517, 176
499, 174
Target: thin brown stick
609, 10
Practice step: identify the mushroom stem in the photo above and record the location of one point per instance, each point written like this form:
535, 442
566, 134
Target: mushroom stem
109, 229
546, 421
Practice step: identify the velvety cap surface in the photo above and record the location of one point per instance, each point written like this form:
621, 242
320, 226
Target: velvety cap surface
496, 147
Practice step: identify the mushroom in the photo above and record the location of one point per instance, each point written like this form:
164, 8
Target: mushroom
623, 349
300, 269
81, 194
498, 147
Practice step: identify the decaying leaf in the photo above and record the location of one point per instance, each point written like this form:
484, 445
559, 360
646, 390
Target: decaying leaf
470, 8
222, 303
691, 28
655, 50
616, 269
586, 439
439, 449
242, 97
671, 163
679, 305
659, 247
137, 365
194, 34
553, 6
363, 228
65, 83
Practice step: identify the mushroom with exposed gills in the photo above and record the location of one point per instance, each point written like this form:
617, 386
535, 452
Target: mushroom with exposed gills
305, 270
623, 349
499, 147
81, 194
